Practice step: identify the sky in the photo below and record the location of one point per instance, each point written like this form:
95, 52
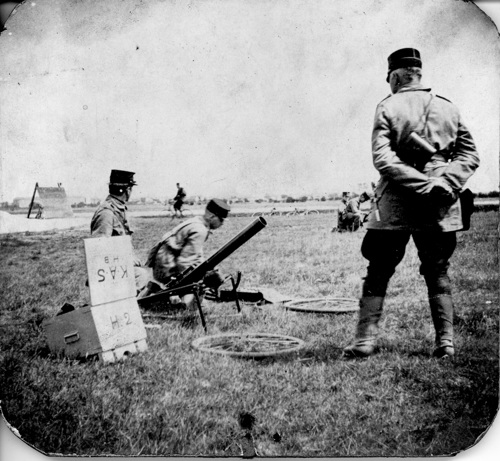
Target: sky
229, 98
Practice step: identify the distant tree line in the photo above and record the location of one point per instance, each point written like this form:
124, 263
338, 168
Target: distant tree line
202, 200
491, 194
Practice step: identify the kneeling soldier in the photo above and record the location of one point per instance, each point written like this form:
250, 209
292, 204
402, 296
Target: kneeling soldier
182, 247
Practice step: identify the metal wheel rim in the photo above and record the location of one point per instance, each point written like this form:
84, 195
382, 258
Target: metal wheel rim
337, 305
216, 344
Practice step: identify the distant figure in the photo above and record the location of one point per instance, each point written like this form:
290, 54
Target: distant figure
179, 200
424, 154
341, 209
182, 247
110, 218
352, 218
40, 212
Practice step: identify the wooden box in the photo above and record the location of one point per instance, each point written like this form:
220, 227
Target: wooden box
110, 268
110, 331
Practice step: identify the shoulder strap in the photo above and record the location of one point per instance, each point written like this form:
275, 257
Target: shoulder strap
442, 97
425, 116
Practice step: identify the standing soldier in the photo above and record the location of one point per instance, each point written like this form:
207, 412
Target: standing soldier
110, 220
416, 196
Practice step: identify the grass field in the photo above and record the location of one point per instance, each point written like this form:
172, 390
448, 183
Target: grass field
173, 400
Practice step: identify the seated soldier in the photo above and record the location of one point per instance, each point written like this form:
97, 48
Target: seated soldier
110, 218
182, 247
352, 218
345, 198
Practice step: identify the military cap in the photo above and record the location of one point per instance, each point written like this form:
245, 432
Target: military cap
218, 207
405, 57
122, 178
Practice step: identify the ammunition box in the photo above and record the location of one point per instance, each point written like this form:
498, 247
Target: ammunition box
110, 331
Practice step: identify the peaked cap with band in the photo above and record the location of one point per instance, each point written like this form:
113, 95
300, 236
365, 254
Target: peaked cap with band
405, 57
122, 178
218, 207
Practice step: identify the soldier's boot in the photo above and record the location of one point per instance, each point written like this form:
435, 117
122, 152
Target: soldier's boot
442, 317
370, 311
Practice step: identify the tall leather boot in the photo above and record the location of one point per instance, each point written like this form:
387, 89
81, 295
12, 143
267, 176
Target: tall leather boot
442, 317
370, 311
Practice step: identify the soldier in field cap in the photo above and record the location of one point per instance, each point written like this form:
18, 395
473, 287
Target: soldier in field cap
425, 155
406, 57
110, 217
182, 247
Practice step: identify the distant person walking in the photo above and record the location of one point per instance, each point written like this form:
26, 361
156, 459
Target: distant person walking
110, 218
179, 200
415, 197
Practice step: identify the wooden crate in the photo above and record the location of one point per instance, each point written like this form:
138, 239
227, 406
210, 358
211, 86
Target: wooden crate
111, 331
110, 268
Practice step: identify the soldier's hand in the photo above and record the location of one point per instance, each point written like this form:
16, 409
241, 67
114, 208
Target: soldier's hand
213, 279
441, 193
210, 293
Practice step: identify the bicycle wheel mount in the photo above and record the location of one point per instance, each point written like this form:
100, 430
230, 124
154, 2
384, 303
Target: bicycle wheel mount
248, 345
323, 305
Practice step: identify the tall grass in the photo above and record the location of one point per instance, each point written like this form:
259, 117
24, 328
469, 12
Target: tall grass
172, 400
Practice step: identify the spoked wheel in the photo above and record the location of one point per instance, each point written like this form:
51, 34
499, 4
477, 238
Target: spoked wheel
248, 345
323, 305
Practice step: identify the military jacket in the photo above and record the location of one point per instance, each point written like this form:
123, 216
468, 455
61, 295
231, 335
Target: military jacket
353, 206
110, 219
402, 195
179, 249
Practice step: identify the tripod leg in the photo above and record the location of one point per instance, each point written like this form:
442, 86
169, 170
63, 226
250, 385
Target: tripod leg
200, 310
235, 290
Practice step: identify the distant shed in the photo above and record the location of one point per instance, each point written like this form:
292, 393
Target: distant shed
53, 203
